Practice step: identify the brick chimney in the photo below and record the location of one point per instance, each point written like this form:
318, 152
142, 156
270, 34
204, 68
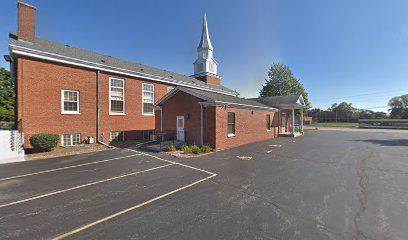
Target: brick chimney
26, 22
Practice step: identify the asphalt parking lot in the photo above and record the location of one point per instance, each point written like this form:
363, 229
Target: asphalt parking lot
324, 185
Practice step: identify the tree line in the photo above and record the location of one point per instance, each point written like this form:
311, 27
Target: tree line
281, 82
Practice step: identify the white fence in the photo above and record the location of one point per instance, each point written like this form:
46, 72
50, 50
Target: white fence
11, 146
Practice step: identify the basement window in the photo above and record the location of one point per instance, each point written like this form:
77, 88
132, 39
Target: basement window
231, 124
71, 139
148, 99
69, 102
116, 96
117, 136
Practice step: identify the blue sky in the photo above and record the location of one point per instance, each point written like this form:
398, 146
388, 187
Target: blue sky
355, 51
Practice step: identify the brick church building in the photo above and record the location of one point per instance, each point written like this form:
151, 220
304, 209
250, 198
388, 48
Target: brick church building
77, 93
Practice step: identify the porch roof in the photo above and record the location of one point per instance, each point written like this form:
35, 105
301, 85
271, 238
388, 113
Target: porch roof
295, 101
212, 98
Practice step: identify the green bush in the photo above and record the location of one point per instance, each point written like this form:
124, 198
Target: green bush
44, 142
205, 149
185, 149
170, 148
195, 149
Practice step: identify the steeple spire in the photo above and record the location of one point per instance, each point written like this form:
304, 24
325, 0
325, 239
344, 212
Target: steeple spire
205, 63
205, 41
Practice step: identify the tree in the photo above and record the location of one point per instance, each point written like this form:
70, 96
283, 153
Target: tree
399, 107
7, 96
282, 82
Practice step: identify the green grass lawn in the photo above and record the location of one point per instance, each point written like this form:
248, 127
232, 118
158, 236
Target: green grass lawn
334, 124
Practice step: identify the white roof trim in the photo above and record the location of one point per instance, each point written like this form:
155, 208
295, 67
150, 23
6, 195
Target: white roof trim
83, 63
176, 90
247, 105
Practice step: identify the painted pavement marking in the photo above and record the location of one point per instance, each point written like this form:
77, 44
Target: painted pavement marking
68, 167
244, 157
82, 186
130, 209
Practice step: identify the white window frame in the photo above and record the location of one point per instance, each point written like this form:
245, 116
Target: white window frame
62, 102
71, 137
235, 125
143, 113
110, 99
123, 136
169, 89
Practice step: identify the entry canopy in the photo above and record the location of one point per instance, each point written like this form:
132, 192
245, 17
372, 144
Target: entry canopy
295, 101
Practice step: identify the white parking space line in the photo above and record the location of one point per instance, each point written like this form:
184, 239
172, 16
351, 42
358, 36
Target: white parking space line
82, 186
68, 167
180, 164
130, 209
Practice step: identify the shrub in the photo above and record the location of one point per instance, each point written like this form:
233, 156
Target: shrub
44, 142
205, 149
170, 148
195, 149
185, 149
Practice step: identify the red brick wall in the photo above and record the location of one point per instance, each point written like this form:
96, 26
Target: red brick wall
249, 128
183, 104
209, 126
133, 120
39, 86
210, 79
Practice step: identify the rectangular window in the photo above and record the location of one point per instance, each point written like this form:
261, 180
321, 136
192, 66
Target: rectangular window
117, 96
231, 124
69, 102
148, 99
117, 136
71, 139
169, 89
268, 122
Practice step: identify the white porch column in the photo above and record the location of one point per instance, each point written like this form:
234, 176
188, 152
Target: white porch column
293, 122
301, 121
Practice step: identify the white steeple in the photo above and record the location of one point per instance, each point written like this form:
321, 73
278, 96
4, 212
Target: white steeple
205, 62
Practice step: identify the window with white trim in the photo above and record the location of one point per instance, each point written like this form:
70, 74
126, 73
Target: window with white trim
71, 139
169, 89
117, 136
231, 124
116, 96
148, 99
69, 102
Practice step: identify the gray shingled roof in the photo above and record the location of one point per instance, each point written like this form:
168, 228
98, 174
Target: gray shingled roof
278, 101
216, 98
96, 58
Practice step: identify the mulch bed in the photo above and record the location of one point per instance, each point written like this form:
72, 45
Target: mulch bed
66, 151
181, 154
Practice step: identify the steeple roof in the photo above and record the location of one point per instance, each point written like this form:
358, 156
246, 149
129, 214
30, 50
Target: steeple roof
205, 41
